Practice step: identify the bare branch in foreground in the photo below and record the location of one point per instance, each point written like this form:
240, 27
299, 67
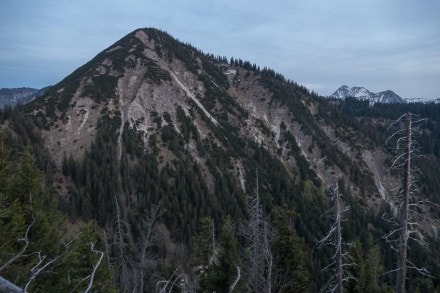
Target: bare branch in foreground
232, 287
25, 239
39, 268
340, 259
95, 267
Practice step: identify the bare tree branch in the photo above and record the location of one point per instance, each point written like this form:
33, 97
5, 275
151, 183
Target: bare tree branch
25, 239
95, 267
340, 259
410, 210
39, 268
170, 282
149, 238
237, 279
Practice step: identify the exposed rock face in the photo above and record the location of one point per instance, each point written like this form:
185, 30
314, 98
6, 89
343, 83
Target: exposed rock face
148, 81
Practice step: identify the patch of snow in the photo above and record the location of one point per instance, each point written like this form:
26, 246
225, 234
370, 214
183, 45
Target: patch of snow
423, 100
362, 93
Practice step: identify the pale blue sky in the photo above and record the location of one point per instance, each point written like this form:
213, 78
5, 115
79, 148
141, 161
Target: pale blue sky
378, 44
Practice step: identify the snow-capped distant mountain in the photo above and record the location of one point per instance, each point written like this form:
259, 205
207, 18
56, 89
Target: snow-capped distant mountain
424, 101
361, 93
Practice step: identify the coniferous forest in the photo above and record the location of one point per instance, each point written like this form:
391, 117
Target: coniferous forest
63, 232
225, 202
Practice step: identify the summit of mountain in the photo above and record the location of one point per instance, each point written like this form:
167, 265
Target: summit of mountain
361, 93
174, 101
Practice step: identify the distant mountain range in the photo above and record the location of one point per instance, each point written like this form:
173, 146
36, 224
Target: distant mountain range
23, 95
362, 93
384, 97
420, 100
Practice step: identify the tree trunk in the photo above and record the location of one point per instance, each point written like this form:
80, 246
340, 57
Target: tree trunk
8, 287
401, 272
237, 279
338, 244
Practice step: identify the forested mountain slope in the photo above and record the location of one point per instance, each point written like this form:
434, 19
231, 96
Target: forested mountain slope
152, 135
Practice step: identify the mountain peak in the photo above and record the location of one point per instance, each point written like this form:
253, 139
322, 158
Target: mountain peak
361, 93
22, 95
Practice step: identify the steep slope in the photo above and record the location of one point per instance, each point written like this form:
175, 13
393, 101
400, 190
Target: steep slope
175, 101
151, 122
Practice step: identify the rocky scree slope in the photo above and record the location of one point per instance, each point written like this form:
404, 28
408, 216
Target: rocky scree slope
158, 109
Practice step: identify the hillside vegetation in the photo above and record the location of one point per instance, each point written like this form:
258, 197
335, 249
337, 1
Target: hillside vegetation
188, 171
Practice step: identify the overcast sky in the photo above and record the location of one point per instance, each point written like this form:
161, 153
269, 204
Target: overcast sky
378, 44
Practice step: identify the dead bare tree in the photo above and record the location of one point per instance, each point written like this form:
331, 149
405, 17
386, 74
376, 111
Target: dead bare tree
340, 259
407, 207
257, 233
120, 240
150, 237
107, 247
132, 265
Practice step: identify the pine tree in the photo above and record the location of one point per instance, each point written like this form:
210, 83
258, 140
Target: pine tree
223, 273
77, 270
35, 252
203, 244
291, 272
